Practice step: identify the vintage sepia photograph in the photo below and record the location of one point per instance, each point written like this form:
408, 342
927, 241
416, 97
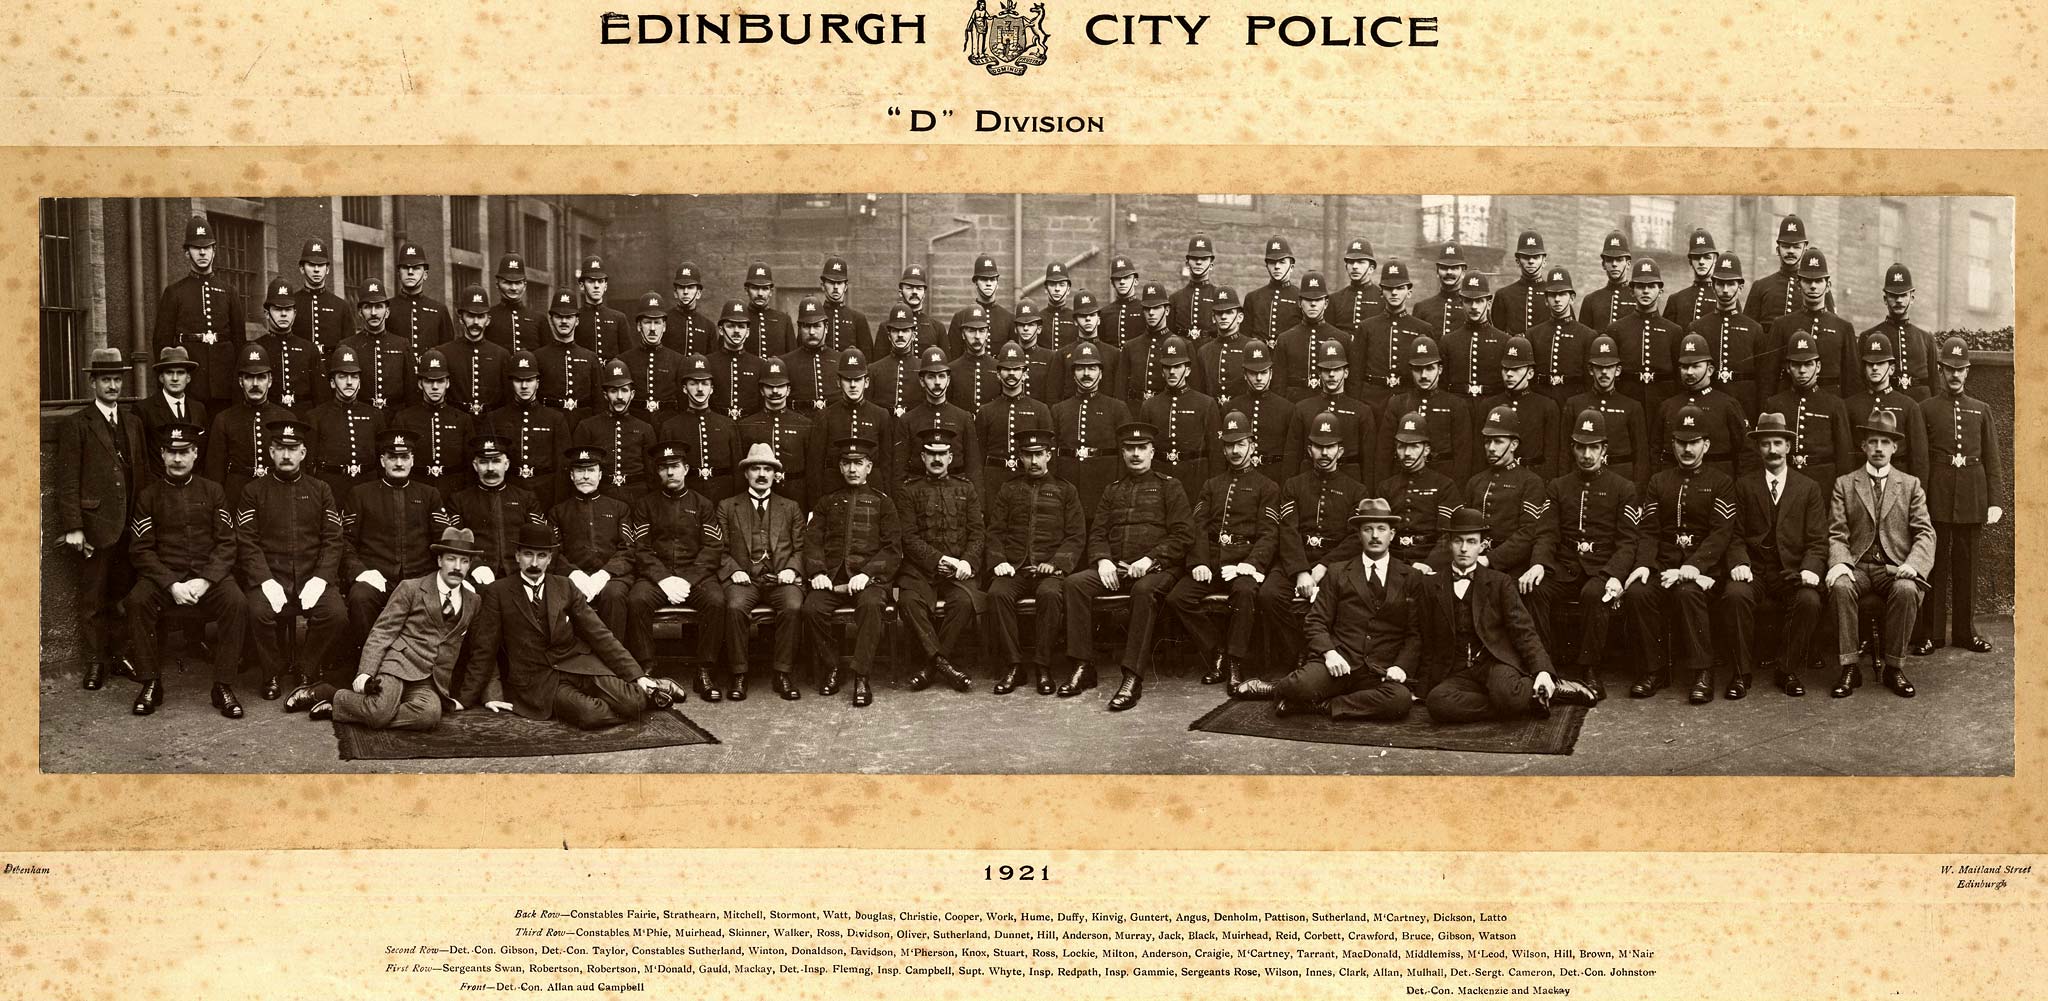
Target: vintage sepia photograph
991, 483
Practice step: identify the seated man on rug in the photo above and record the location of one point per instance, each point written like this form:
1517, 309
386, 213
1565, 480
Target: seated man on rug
1481, 643
560, 662
408, 664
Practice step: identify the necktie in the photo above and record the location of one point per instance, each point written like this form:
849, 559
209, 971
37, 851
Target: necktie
1777, 488
178, 409
1374, 586
533, 593
448, 604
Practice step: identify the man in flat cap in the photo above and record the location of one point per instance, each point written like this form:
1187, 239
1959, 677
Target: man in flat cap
515, 326
605, 330
183, 548
571, 375
478, 368
1036, 529
405, 677
100, 466
201, 313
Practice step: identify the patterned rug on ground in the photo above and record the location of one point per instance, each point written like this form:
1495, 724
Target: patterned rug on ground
510, 735
1552, 735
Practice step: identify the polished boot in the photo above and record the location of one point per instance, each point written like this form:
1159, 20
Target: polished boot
1574, 693
738, 691
1590, 677
1978, 644
225, 701
1921, 648
861, 696
302, 697
1852, 679
273, 687
1083, 679
946, 670
1648, 685
1789, 681
1895, 679
323, 709
1127, 693
1214, 676
706, 688
1045, 682
95, 676
785, 688
667, 693
150, 697
831, 685
1008, 682
919, 679
1233, 675
1702, 688
1257, 689
1737, 687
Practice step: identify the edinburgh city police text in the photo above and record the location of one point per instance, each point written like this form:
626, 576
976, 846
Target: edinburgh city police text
1386, 31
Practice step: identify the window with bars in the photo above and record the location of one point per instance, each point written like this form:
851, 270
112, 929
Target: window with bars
363, 211
1891, 233
1983, 234
360, 262
536, 243
463, 276
238, 259
1226, 201
63, 321
1650, 220
466, 223
1464, 219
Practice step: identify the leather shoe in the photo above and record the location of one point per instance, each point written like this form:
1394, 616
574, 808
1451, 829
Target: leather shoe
1921, 648
1214, 676
1702, 688
667, 692
1978, 644
738, 691
1596, 686
1737, 687
1573, 693
919, 680
831, 685
273, 687
1790, 683
1256, 689
1045, 683
1895, 679
1083, 679
1852, 679
784, 688
301, 697
95, 676
1290, 707
225, 701
120, 668
1233, 674
1008, 682
1127, 693
150, 697
1647, 685
323, 709
706, 689
959, 681
862, 697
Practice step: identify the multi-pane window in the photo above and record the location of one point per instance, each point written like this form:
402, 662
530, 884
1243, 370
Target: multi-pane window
238, 259
1891, 233
535, 231
1650, 221
363, 211
1225, 201
63, 321
466, 223
360, 262
1466, 219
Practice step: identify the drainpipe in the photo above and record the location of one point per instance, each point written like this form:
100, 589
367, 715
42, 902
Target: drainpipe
1941, 311
931, 245
1017, 239
138, 337
902, 232
1113, 221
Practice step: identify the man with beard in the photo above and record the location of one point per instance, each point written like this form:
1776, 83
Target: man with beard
1779, 550
1188, 307
493, 508
1296, 350
1237, 523
344, 429
1275, 306
680, 544
476, 366
1534, 412
321, 317
1521, 522
1124, 316
441, 431
1600, 524
1422, 498
894, 377
1361, 300
1357, 427
1222, 355
1087, 329
814, 366
992, 317
1039, 360
418, 318
852, 547
1732, 337
596, 533
735, 370
1086, 422
1722, 419
942, 545
535, 433
1695, 302
1377, 353
172, 403
1560, 341
1314, 505
1645, 340
846, 328
599, 327
974, 369
1688, 519
1481, 643
764, 546
407, 667
99, 467
850, 415
569, 372
998, 422
1880, 543
297, 362
1446, 417
513, 326
1777, 294
1143, 374
1821, 436
1965, 477
1058, 314
935, 377
1440, 313
1271, 414
654, 365
1607, 305
388, 526
236, 448
1472, 355
1136, 540
386, 360
1880, 365
910, 291
1914, 347
781, 429
1036, 530
1359, 630
1186, 418
1519, 307
622, 437
1813, 314
183, 546
288, 546
1628, 449
690, 331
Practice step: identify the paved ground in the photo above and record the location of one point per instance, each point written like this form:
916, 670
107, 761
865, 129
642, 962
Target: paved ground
1961, 724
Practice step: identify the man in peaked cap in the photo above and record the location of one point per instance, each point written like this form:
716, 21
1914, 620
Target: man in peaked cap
1695, 302
420, 319
1965, 483
782, 429
1361, 299
201, 313
1881, 548
1357, 424
1441, 312
1813, 313
1086, 422
1518, 308
386, 360
322, 318
599, 327
680, 544
596, 533
172, 402
735, 369
655, 365
1036, 530
1058, 314
1605, 306
493, 507
691, 331
1733, 339
1521, 521
514, 325
852, 548
1220, 357
1123, 316
1878, 372
943, 544
1822, 432
1560, 340
1379, 365
1535, 413
1446, 417
1296, 351
974, 368
297, 380
535, 434
933, 409
405, 677
1237, 523
571, 375
998, 421
1646, 340
441, 431
1913, 347
995, 318
1136, 542
851, 415
1600, 522
288, 545
1723, 420
1689, 518
1472, 354
911, 291
236, 452
183, 547
344, 428
389, 526
845, 327
1037, 362
99, 468
623, 436
1628, 439
1314, 506
1275, 306
1776, 294
1480, 645
764, 547
1188, 308
477, 366
1361, 629
1186, 419
1776, 557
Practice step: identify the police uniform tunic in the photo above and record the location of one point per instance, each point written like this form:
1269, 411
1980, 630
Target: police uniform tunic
1840, 365
1599, 526
1122, 319
387, 370
842, 420
1472, 359
1272, 419
1112, 368
1223, 367
323, 319
892, 383
1450, 431
290, 531
534, 436
626, 438
1191, 312
1441, 315
516, 328
1560, 346
1628, 434
237, 446
1144, 374
1238, 519
1424, 501
297, 374
813, 378
1000, 321
389, 529
1354, 304
1377, 368
1691, 304
1272, 308
1912, 357
1089, 456
1060, 329
853, 531
1648, 348
1316, 508
1188, 423
657, 386
942, 516
607, 332
477, 369
1734, 340
1607, 306
689, 331
1294, 357
182, 530
441, 455
495, 514
1727, 430
974, 381
735, 382
677, 535
1965, 477
1538, 419
1356, 425
1775, 295
1521, 524
1688, 519
571, 378
1519, 308
596, 534
190, 309
343, 451
1140, 516
846, 327
422, 321
1033, 521
1823, 442
995, 429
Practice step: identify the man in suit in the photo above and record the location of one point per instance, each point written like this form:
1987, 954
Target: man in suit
408, 663
183, 546
1479, 644
764, 542
1966, 479
99, 456
1776, 556
173, 402
1362, 631
1881, 543
560, 662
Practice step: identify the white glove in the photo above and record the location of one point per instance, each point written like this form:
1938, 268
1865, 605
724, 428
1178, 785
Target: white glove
740, 578
821, 583
966, 569
275, 592
786, 577
1809, 578
311, 592
1396, 674
1993, 515
601, 578
374, 578
857, 583
1203, 576
1424, 569
581, 580
1640, 575
483, 576
1741, 574
1005, 570
1611, 591
362, 681
675, 589
1544, 685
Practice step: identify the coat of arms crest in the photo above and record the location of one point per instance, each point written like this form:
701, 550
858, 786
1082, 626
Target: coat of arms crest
1006, 41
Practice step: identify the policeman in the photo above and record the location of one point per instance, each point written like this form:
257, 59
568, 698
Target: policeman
1446, 417
1519, 307
1822, 445
993, 317
1086, 421
385, 357
1189, 308
845, 327
1136, 541
1721, 417
1222, 354
1472, 355
1357, 425
296, 381
1296, 350
997, 423
203, 316
1521, 522
1776, 556
690, 331
676, 562
1965, 481
1274, 307
1914, 347
1271, 415
513, 326
1777, 294
814, 366
1143, 375
441, 431
420, 319
1695, 302
1441, 312
851, 550
1362, 299
1377, 354
1058, 314
390, 524
596, 533
1599, 523
1689, 517
1087, 327
570, 374
493, 508
1186, 419
910, 291
1534, 412
599, 327
768, 328
1036, 531
1814, 314
654, 365
172, 403
1422, 498
322, 317
1124, 316
1628, 449
935, 378
183, 547
850, 415
735, 369
764, 546
893, 378
476, 366
1359, 630
1646, 340
288, 545
1606, 306
237, 450
534, 433
99, 463
1039, 361
1733, 339
344, 429
1560, 341
1880, 362
1237, 525
622, 437
781, 429
974, 368
942, 551
1315, 504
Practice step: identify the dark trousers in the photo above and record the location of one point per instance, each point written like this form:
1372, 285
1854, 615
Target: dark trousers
593, 701
1084, 586
1955, 580
1049, 616
1484, 689
398, 705
1362, 694
787, 601
1186, 601
1537, 601
643, 599
223, 605
103, 578
1735, 620
1280, 616
1682, 610
1900, 597
324, 624
818, 609
1596, 618
914, 598
364, 603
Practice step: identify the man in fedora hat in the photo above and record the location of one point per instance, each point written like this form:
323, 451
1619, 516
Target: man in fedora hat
1361, 630
493, 507
535, 434
1880, 544
173, 402
1689, 517
690, 330
1811, 312
764, 546
1298, 348
1628, 451
386, 358
1482, 656
1559, 341
1600, 522
1446, 418
298, 381
201, 313
442, 430
1379, 359
782, 429
845, 326
1734, 339
1363, 298
1318, 501
417, 317
183, 548
619, 434
390, 524
706, 433
559, 660
322, 318
813, 365
1086, 424
1036, 529
993, 316
943, 540
657, 368
344, 427
570, 374
288, 546
679, 545
99, 468
1822, 432
1190, 308
237, 444
1965, 482
1777, 294
599, 327
1238, 521
407, 668
478, 368
1186, 417
1914, 348
1879, 378
852, 549
514, 325
1776, 557
596, 532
